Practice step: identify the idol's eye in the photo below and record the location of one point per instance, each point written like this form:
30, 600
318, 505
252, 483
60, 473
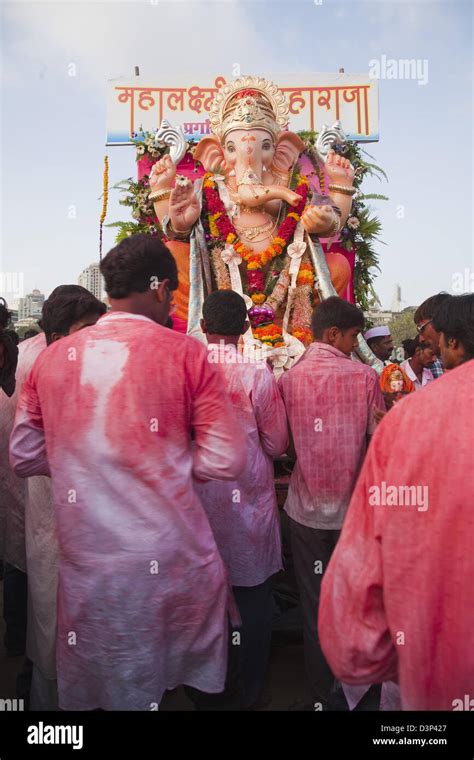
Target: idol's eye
267, 145
230, 147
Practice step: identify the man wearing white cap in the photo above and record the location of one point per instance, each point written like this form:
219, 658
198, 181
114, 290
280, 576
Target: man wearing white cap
380, 342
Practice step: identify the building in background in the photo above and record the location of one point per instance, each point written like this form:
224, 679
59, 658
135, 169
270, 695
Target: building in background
91, 279
397, 299
30, 307
378, 317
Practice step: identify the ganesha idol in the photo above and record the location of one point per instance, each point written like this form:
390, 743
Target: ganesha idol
249, 223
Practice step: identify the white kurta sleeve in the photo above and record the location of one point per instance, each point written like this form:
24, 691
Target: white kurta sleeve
27, 440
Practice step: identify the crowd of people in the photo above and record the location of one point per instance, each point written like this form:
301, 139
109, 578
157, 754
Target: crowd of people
141, 530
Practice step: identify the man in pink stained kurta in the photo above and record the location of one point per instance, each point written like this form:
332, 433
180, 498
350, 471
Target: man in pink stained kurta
122, 415
244, 513
398, 597
330, 403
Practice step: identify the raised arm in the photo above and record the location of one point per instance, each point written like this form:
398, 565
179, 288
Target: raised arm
270, 413
219, 452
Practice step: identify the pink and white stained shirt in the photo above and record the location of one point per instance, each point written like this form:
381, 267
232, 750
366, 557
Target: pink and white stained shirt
329, 401
244, 513
144, 597
397, 596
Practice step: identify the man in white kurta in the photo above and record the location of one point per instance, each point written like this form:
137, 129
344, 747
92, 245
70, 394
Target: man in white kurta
30, 506
111, 412
13, 495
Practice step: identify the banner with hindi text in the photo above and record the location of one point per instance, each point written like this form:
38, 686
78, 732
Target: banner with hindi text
315, 99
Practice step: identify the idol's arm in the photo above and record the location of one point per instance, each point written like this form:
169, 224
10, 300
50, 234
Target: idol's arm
344, 203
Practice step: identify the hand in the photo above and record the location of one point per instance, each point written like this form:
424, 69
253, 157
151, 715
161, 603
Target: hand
184, 208
379, 414
339, 169
162, 174
319, 219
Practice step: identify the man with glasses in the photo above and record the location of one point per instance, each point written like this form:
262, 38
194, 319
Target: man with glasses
423, 318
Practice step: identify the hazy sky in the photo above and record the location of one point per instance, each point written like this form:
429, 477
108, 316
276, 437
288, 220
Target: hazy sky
53, 125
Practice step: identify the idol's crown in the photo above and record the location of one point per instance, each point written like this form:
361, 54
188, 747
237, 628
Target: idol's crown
248, 103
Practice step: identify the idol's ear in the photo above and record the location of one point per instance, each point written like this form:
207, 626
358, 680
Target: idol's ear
210, 153
288, 148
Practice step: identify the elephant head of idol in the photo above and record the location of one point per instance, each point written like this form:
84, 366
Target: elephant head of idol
249, 142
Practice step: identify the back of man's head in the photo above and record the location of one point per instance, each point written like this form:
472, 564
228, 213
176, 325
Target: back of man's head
66, 306
4, 314
455, 319
224, 313
409, 346
335, 312
136, 264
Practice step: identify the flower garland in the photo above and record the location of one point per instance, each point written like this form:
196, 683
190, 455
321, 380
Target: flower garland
104, 202
222, 230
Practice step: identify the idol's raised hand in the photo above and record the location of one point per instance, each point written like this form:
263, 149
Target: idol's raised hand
184, 207
162, 174
339, 169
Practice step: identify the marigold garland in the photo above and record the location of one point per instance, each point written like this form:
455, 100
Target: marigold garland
104, 203
222, 230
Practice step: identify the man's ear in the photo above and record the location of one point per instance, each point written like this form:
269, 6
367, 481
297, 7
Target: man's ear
162, 291
56, 336
203, 326
245, 327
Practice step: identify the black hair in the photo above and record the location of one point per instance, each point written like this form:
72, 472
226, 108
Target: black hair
376, 339
135, 264
5, 315
427, 309
455, 319
65, 306
409, 346
335, 312
224, 313
13, 335
30, 334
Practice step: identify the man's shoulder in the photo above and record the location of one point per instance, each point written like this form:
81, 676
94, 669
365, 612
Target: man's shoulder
364, 370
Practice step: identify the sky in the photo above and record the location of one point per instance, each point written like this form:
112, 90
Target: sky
52, 128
